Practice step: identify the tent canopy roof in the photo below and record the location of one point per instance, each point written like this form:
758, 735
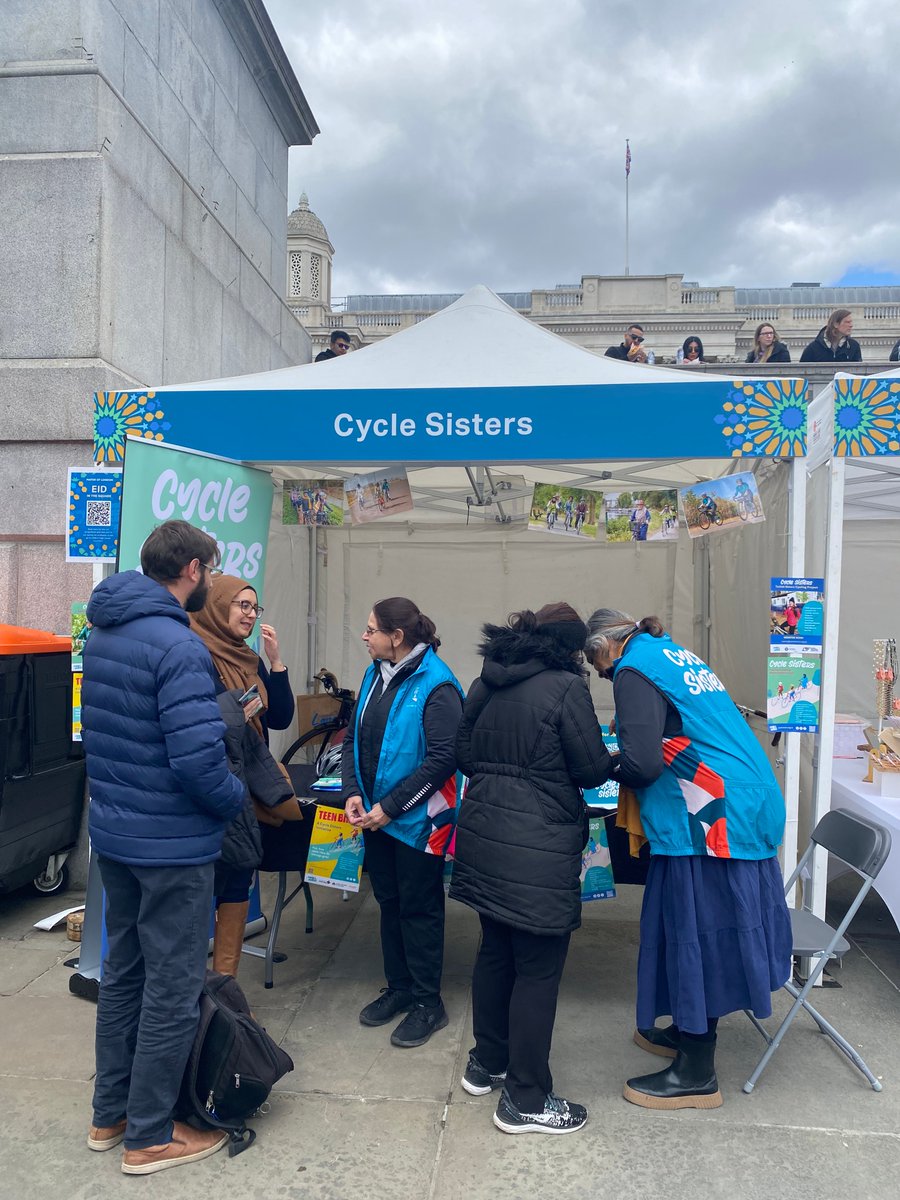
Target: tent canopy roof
477, 342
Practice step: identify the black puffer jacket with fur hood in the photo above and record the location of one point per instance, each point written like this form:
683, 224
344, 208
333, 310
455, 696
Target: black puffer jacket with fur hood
529, 740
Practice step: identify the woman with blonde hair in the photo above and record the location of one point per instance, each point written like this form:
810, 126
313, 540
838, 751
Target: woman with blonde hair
833, 343
767, 346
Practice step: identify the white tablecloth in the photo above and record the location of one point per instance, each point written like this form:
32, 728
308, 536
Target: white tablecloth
848, 791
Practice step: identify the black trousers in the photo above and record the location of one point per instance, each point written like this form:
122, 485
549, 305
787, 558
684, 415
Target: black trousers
515, 985
409, 887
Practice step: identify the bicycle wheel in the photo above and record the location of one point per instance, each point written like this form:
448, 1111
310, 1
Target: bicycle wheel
315, 743
703, 520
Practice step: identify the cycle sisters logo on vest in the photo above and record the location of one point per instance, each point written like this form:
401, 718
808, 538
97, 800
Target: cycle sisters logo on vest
696, 682
230, 502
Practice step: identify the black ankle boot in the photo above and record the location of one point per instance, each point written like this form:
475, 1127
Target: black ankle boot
663, 1042
690, 1082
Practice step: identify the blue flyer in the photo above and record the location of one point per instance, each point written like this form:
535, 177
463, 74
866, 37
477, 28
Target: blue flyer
796, 616
92, 511
607, 795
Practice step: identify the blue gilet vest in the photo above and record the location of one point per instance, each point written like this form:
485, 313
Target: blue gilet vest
717, 794
428, 826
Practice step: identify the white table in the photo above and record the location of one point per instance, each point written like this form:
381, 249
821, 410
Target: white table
848, 791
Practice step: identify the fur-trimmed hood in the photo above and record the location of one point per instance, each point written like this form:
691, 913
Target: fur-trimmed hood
511, 656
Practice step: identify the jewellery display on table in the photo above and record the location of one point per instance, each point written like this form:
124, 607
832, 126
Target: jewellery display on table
884, 663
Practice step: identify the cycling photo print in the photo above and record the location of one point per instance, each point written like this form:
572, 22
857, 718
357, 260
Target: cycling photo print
565, 511
719, 504
641, 516
314, 502
380, 494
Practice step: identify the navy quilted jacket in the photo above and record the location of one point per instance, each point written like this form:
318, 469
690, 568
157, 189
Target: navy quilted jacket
161, 791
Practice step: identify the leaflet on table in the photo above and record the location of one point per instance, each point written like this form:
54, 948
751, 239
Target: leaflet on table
597, 881
335, 851
796, 615
792, 693
327, 783
607, 795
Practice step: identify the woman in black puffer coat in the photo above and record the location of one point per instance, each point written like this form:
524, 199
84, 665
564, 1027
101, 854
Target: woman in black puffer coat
529, 741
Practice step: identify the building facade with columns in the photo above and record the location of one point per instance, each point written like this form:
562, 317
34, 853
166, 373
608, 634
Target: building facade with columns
595, 312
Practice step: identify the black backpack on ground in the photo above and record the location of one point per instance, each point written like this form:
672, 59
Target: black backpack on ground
233, 1064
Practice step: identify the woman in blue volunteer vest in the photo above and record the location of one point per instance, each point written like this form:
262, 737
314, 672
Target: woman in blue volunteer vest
399, 786
715, 929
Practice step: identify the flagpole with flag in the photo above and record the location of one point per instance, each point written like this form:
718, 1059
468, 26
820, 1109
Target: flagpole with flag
627, 173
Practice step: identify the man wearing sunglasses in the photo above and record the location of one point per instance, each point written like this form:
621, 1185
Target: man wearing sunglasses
340, 344
632, 346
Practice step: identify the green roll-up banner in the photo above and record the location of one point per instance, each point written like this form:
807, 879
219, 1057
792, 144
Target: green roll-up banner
229, 501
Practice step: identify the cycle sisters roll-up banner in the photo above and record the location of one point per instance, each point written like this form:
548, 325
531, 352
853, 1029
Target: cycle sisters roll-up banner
230, 502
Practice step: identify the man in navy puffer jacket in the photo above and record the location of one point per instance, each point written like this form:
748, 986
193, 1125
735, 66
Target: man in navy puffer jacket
161, 797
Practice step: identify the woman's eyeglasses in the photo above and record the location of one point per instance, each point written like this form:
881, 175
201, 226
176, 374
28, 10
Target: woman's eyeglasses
247, 607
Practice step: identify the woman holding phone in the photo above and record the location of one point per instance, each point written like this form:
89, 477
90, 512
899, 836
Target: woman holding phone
224, 623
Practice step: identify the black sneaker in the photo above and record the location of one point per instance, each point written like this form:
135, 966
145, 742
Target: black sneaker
418, 1025
477, 1081
558, 1116
385, 1008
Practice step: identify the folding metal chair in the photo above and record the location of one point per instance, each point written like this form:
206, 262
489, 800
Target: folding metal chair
863, 846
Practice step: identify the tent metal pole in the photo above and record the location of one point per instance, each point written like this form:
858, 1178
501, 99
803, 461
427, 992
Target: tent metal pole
796, 568
834, 548
312, 608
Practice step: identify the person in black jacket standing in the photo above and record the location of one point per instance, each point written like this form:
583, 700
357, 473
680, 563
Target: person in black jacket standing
767, 347
529, 741
833, 342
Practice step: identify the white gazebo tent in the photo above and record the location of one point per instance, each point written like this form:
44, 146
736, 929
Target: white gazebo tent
853, 465
547, 411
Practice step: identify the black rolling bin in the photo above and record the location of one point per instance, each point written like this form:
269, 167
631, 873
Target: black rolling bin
42, 772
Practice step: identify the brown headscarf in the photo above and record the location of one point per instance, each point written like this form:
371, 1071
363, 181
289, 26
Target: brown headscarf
237, 665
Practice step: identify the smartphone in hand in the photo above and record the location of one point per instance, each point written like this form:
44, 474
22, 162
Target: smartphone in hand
251, 702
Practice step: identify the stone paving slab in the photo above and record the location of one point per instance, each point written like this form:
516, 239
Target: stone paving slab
631, 1154
361, 1120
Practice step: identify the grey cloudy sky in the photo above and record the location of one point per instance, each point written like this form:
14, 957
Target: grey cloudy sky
466, 142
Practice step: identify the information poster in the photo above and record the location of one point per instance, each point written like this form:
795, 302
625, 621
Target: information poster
92, 512
792, 701
76, 706
796, 617
230, 502
79, 632
335, 851
596, 871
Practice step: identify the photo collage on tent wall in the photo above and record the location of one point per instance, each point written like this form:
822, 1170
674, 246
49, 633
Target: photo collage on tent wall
379, 494
325, 503
721, 504
318, 503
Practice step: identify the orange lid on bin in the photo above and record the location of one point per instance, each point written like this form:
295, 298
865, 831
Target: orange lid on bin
15, 639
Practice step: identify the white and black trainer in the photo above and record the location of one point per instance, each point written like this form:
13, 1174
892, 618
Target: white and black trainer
558, 1116
477, 1081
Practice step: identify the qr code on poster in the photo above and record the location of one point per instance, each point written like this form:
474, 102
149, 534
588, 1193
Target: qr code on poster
99, 512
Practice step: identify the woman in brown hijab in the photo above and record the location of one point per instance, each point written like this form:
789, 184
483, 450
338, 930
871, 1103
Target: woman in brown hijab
224, 623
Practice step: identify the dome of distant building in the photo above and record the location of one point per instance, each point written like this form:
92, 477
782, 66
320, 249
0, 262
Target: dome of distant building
304, 221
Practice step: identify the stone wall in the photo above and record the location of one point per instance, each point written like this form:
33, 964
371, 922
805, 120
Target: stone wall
143, 213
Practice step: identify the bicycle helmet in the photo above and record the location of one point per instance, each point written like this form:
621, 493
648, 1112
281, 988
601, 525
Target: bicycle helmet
330, 761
